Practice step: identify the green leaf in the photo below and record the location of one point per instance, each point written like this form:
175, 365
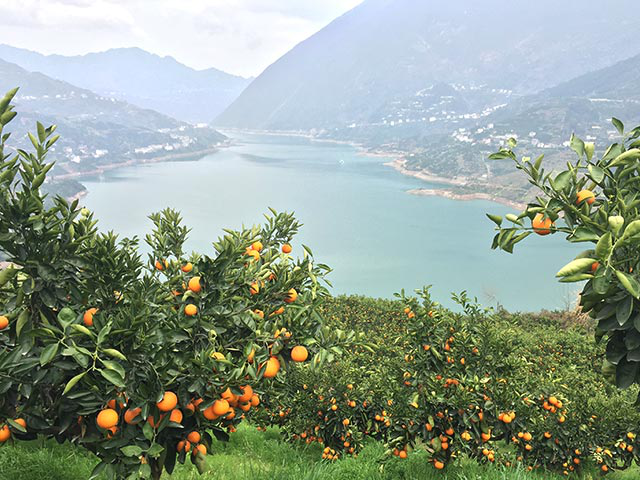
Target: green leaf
604, 246
23, 318
16, 426
98, 470
66, 317
629, 283
618, 124
631, 231
577, 145
48, 353
131, 451
583, 234
155, 450
577, 277
144, 471
589, 148
113, 376
497, 219
71, 383
596, 173
82, 329
7, 275
626, 373
623, 310
625, 157
147, 431
112, 352
563, 180
575, 266
115, 366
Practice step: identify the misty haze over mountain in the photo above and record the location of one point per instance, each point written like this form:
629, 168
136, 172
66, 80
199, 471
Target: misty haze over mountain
140, 78
442, 84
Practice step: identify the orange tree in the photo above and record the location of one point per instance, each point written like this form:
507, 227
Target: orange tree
139, 362
594, 201
478, 384
352, 397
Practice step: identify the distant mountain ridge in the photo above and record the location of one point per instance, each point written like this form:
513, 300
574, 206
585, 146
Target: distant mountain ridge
140, 78
369, 65
97, 132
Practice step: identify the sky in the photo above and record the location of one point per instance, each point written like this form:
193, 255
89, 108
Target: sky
238, 36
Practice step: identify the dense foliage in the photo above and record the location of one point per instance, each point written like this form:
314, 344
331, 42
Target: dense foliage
140, 361
513, 389
597, 201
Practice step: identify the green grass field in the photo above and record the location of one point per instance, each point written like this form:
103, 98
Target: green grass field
254, 455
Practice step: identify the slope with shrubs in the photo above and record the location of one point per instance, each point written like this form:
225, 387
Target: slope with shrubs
514, 389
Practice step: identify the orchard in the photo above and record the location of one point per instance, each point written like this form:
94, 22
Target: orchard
140, 361
143, 361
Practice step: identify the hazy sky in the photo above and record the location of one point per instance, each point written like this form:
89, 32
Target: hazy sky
238, 36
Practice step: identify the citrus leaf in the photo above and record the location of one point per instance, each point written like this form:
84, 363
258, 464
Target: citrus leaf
71, 383
575, 266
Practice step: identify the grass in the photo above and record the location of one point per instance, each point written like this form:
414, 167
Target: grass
254, 455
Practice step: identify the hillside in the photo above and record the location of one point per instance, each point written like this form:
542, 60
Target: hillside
140, 78
380, 64
96, 131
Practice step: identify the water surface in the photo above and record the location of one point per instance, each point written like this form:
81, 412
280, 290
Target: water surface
357, 218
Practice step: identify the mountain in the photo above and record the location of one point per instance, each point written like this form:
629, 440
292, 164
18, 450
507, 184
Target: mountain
140, 78
379, 63
97, 132
542, 123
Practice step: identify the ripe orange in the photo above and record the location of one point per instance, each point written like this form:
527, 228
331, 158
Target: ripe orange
186, 268
255, 400
257, 246
21, 421
345, 422
286, 248
168, 402
176, 416
159, 265
194, 285
251, 355
271, 367
594, 266
292, 296
438, 464
183, 445
190, 310
220, 407
260, 313
299, 354
247, 393
87, 318
107, 418
131, 414
402, 454
200, 449
209, 414
541, 224
587, 195
5, 434
253, 254
254, 288
194, 437
4, 322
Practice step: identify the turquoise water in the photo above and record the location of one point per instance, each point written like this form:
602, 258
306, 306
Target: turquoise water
357, 219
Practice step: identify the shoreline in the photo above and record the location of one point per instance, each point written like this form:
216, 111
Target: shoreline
399, 164
134, 161
466, 197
